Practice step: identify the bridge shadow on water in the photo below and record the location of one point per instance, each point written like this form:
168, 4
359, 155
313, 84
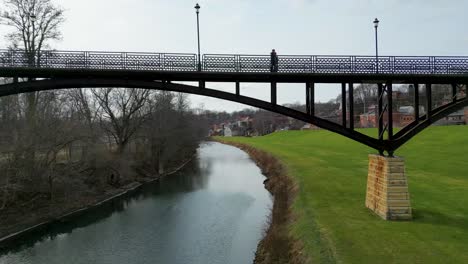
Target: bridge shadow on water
193, 177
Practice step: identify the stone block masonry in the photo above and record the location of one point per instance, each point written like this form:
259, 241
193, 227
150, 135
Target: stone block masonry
387, 188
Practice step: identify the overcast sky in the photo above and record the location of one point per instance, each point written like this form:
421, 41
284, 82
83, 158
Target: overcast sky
325, 27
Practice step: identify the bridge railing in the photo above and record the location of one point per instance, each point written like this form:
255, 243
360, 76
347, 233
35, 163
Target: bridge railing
337, 64
100, 60
235, 62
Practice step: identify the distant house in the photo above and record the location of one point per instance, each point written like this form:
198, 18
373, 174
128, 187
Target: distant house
242, 126
227, 131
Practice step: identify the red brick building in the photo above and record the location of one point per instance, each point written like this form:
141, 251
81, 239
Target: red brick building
403, 117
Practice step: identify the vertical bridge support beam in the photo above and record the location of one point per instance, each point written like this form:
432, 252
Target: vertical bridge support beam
387, 188
416, 102
310, 99
390, 111
343, 104
380, 92
428, 101
201, 84
351, 105
273, 93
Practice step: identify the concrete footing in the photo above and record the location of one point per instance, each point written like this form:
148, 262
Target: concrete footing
387, 188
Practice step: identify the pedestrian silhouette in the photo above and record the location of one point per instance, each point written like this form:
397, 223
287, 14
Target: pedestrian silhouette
274, 61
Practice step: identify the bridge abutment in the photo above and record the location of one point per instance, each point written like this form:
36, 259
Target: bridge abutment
387, 192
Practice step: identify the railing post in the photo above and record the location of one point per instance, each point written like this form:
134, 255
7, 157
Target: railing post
123, 63
314, 64
202, 63
391, 60
11, 59
432, 63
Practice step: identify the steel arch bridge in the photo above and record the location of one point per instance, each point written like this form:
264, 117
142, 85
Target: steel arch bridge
52, 70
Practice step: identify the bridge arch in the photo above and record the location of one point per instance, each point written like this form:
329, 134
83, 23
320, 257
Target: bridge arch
58, 84
398, 140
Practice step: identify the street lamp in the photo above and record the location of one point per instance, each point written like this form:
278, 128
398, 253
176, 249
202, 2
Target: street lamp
197, 7
32, 16
376, 25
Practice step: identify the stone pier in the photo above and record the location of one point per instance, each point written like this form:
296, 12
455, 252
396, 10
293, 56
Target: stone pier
387, 188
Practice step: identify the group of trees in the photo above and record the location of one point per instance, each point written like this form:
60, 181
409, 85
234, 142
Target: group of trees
91, 139
73, 142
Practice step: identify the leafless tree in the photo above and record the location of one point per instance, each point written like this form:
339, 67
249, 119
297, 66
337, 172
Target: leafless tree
34, 24
122, 112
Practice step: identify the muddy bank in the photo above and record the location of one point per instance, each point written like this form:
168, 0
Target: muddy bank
19, 224
277, 246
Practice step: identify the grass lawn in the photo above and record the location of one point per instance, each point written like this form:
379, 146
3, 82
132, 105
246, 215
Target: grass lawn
334, 224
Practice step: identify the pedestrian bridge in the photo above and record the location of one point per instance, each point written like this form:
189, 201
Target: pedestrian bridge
318, 64
49, 70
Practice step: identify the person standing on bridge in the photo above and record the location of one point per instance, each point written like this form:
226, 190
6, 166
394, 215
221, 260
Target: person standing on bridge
274, 61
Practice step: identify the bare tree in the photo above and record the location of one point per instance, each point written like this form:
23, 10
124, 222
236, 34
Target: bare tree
122, 112
34, 24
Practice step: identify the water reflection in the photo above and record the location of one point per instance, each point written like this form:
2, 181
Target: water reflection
213, 211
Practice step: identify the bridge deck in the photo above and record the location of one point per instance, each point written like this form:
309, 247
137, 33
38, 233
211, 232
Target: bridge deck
278, 77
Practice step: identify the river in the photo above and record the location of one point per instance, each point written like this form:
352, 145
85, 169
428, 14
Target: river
215, 210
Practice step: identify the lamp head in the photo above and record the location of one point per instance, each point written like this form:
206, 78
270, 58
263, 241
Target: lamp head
376, 23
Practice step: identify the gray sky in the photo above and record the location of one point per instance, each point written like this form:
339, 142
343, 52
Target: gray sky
324, 27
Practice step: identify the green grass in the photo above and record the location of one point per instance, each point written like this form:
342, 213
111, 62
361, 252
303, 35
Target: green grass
334, 224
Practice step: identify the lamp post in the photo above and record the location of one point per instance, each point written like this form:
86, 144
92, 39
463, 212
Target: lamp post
376, 25
197, 7
32, 17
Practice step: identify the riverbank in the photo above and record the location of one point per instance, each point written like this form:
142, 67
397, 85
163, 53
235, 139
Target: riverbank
277, 245
329, 216
17, 225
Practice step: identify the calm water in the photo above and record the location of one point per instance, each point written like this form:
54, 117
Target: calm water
212, 212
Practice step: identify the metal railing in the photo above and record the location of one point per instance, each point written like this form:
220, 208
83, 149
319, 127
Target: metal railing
236, 63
